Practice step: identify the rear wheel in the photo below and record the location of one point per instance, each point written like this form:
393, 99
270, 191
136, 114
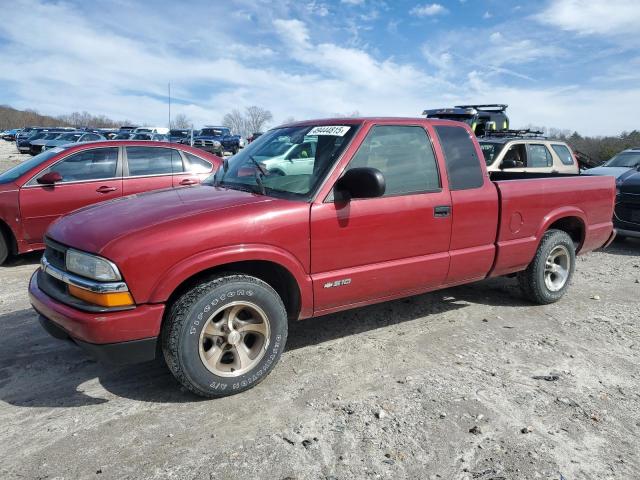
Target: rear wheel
547, 277
224, 336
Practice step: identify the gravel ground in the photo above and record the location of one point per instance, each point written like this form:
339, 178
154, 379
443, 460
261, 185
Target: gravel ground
466, 383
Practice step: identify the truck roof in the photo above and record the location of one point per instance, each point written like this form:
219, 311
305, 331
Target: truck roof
359, 120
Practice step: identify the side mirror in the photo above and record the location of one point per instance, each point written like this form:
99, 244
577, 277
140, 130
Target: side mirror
49, 178
363, 182
508, 164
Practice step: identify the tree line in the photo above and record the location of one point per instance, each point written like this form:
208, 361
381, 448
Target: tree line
13, 118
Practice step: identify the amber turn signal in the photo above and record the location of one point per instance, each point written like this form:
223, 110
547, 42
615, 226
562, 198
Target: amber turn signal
116, 299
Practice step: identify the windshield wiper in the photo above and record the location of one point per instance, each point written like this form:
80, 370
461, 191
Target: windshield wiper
258, 175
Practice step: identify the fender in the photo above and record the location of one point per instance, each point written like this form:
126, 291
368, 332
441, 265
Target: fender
176, 275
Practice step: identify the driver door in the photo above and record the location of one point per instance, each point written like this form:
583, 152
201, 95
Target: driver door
366, 250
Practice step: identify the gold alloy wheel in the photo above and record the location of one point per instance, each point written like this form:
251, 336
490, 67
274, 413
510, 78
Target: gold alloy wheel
556, 268
234, 339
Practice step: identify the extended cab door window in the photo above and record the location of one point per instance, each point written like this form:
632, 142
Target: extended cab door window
404, 156
463, 165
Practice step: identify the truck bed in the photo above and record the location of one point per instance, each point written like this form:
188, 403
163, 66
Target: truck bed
532, 203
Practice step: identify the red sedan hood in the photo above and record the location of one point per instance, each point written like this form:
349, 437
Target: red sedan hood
93, 227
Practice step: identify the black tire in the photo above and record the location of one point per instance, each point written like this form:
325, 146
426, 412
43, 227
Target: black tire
182, 334
533, 280
4, 248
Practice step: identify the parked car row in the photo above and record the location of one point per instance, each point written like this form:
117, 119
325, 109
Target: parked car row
213, 139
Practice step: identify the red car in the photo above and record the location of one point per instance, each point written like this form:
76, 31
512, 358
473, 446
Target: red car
38, 191
380, 208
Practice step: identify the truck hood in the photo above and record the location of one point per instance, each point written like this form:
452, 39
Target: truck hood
612, 171
92, 228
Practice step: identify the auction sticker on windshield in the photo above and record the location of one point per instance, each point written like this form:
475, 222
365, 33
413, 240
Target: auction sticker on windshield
336, 131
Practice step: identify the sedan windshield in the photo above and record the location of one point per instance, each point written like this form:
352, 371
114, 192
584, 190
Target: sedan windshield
286, 162
19, 170
625, 159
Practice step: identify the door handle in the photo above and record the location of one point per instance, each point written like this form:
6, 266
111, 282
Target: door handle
442, 211
105, 189
188, 181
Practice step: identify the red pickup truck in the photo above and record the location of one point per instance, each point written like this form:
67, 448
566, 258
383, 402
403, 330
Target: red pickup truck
373, 209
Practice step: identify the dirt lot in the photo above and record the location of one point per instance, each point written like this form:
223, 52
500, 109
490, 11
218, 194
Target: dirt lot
438, 386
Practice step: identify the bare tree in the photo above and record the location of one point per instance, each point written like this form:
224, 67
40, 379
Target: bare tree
235, 121
256, 118
181, 121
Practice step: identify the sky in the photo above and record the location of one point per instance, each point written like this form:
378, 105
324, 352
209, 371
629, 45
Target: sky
570, 64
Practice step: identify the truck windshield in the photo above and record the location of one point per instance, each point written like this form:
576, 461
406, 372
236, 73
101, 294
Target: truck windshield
625, 159
491, 150
286, 162
16, 172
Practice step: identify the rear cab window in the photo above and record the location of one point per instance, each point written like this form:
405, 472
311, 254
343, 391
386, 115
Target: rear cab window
461, 159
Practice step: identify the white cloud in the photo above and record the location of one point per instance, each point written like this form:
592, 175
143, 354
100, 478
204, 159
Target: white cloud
353, 2
487, 15
604, 17
429, 10
317, 8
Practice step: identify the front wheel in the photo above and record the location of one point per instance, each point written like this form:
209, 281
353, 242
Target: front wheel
224, 336
547, 277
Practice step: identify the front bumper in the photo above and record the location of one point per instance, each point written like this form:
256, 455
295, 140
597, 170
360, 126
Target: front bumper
128, 336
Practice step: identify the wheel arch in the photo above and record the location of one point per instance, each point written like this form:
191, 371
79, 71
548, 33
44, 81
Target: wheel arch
281, 271
570, 220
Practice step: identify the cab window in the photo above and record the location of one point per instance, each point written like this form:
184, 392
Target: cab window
404, 156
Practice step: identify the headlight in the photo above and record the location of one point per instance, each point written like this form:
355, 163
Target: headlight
91, 266
216, 143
